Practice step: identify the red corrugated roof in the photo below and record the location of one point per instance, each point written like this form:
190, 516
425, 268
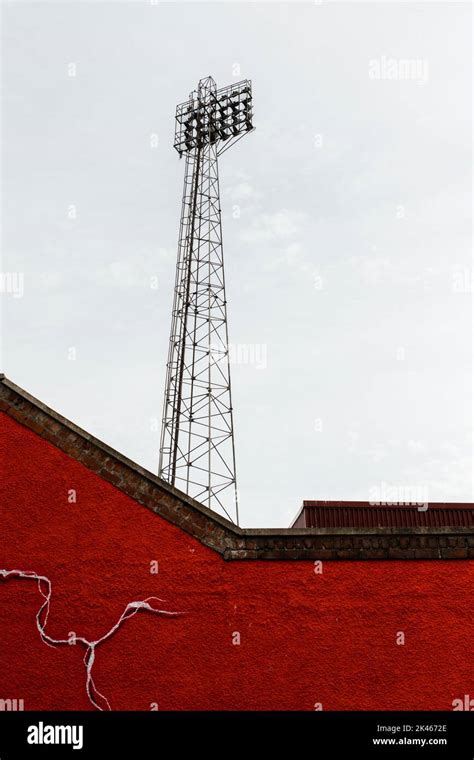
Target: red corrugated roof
362, 514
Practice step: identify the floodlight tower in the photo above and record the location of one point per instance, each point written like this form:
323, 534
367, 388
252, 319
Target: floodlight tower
197, 453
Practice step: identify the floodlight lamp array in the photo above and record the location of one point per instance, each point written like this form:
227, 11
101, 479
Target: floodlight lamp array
210, 116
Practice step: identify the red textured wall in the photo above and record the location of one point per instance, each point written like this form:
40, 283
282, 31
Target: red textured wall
305, 638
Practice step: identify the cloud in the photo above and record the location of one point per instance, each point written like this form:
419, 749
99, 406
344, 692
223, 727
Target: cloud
243, 191
279, 226
133, 269
378, 270
416, 447
353, 440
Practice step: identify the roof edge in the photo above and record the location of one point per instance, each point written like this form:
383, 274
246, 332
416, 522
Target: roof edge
341, 504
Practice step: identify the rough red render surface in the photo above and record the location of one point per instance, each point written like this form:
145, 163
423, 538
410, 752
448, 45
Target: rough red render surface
305, 638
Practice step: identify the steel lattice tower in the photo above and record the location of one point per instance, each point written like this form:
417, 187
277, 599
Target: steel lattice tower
197, 452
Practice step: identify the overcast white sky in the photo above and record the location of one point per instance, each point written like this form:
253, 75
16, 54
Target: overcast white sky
348, 271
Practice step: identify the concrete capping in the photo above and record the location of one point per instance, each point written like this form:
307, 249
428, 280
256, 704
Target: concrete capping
214, 531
